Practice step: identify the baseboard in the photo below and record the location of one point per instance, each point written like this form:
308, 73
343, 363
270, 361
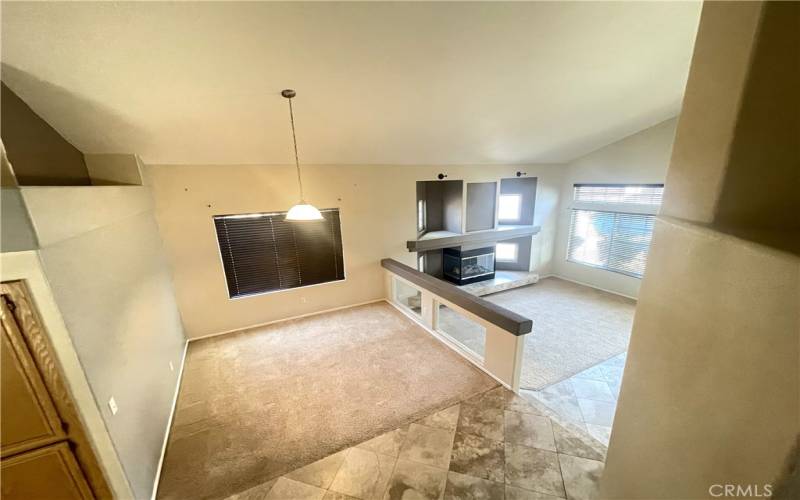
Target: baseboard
169, 422
259, 325
449, 343
554, 275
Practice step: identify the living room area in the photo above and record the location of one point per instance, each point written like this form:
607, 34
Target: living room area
484, 237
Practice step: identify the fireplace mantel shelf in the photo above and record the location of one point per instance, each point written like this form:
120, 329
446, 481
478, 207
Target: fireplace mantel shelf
436, 240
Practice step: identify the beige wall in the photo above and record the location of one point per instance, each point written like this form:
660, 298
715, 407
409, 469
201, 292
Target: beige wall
103, 258
114, 169
378, 215
711, 387
641, 158
736, 164
767, 133
36, 151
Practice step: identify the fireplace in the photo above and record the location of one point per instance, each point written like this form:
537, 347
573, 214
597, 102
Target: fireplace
468, 266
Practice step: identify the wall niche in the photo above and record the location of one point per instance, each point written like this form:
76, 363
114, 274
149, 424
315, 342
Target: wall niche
439, 206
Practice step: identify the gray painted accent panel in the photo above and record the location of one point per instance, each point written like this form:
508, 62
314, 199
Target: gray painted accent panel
526, 187
16, 230
494, 314
452, 202
433, 263
432, 194
443, 202
523, 262
480, 205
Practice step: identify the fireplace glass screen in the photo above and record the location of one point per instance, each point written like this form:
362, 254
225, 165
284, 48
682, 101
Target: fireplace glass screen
468, 266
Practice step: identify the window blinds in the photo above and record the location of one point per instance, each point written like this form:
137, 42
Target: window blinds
638, 194
609, 240
265, 252
614, 240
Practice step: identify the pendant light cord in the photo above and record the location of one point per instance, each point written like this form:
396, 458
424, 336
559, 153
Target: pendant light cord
296, 158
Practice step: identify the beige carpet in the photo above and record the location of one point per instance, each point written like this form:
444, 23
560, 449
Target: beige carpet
257, 404
574, 327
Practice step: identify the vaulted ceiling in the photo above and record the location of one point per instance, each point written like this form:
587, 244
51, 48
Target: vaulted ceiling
377, 83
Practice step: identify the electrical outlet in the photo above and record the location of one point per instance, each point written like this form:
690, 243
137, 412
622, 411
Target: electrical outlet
171, 367
113, 405
303, 300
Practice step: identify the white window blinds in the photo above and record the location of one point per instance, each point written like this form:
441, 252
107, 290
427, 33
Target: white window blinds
614, 240
635, 194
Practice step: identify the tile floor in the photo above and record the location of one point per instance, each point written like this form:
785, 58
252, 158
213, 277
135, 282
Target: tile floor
587, 399
492, 446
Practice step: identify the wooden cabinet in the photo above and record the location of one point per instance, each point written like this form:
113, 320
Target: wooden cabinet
48, 473
44, 451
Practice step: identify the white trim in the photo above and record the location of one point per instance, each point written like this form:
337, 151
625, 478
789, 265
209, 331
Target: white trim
26, 266
449, 343
554, 275
258, 325
169, 421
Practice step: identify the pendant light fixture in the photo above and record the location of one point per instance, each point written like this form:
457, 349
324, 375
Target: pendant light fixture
302, 211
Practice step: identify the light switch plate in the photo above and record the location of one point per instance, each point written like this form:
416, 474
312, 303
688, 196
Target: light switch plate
113, 405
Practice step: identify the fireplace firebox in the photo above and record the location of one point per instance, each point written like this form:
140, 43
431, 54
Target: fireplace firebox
468, 266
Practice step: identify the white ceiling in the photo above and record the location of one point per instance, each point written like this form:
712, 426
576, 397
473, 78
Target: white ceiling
377, 83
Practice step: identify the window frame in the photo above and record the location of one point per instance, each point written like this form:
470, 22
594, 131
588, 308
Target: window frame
280, 290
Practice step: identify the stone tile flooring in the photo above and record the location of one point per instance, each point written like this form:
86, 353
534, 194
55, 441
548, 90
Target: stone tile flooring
492, 446
587, 399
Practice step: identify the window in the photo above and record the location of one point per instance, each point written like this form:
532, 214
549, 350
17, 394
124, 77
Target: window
408, 296
638, 194
506, 252
264, 252
420, 215
510, 208
605, 234
461, 329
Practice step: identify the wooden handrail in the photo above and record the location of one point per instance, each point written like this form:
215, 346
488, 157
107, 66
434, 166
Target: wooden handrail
494, 314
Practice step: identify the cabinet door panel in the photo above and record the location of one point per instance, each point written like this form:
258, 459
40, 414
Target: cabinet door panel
46, 473
29, 417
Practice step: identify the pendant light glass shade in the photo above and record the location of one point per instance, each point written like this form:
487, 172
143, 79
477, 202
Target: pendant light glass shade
303, 211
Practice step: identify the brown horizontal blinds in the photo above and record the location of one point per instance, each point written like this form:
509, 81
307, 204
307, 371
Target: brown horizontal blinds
265, 252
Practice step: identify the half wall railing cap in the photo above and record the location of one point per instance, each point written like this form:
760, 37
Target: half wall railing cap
488, 311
